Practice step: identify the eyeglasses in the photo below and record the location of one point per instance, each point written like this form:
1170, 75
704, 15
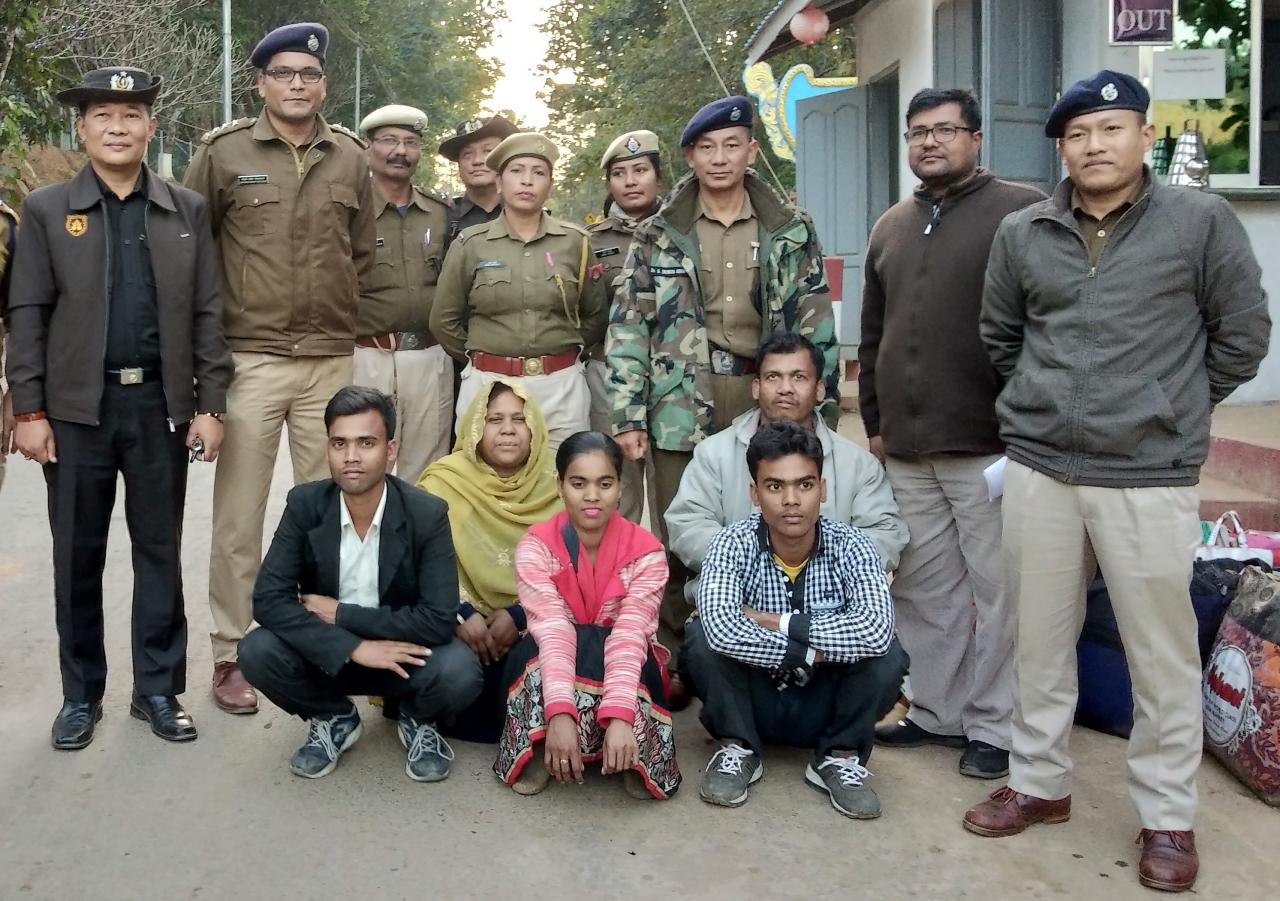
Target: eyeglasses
285, 74
943, 134
389, 143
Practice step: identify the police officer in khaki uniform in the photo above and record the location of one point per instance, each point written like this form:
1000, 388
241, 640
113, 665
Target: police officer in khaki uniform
8, 238
514, 299
292, 211
395, 352
469, 149
634, 178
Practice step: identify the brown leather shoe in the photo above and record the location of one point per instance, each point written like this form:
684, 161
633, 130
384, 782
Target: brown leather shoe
231, 691
1169, 861
1008, 812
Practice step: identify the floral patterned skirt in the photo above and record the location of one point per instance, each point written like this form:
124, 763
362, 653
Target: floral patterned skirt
526, 724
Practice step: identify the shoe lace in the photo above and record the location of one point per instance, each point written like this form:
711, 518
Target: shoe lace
1178, 839
849, 770
322, 736
731, 758
426, 740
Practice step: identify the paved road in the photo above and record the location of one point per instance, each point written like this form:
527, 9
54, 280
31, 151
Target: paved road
134, 818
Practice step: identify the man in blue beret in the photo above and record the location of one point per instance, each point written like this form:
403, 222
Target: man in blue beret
291, 206
721, 266
1119, 312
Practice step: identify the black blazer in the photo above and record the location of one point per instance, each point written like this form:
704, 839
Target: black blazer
417, 575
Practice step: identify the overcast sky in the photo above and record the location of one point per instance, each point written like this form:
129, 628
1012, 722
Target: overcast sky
521, 47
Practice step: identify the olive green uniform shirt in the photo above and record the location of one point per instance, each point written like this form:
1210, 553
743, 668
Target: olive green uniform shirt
502, 295
295, 232
610, 239
410, 256
730, 264
1096, 232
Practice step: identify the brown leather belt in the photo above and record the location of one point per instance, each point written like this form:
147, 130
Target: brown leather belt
523, 365
399, 341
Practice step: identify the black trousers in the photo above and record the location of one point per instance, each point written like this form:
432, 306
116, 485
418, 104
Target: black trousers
448, 682
133, 440
836, 711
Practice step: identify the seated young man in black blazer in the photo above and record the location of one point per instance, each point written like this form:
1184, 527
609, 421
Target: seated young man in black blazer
358, 596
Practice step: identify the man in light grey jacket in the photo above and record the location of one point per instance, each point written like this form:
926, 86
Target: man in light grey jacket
713, 491
1118, 312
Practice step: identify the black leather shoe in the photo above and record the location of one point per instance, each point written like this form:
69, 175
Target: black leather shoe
984, 761
73, 727
166, 716
906, 734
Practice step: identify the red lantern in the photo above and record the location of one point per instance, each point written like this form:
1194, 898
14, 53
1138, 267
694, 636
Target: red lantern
810, 25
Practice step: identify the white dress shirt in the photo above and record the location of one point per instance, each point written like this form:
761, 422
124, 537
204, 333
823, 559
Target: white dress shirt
357, 559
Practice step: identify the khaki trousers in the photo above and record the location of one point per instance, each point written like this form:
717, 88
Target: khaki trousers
1144, 540
268, 392
954, 617
562, 396
637, 475
421, 384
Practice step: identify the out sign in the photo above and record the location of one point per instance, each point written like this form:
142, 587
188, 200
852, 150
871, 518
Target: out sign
1143, 21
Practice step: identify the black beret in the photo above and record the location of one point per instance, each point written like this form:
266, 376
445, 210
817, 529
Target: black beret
118, 84
727, 112
300, 37
1101, 91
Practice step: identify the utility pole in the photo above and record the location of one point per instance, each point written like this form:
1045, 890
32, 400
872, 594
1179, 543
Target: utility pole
355, 126
226, 60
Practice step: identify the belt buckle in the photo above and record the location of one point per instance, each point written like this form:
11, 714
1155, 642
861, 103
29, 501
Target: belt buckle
533, 365
722, 362
131, 376
408, 341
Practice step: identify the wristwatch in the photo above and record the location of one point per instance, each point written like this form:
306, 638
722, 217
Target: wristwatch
218, 416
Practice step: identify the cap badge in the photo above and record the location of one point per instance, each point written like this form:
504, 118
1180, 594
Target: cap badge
122, 81
1109, 92
736, 114
419, 124
633, 146
313, 43
475, 125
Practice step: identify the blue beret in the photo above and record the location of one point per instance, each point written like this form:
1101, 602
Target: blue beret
727, 112
300, 37
1101, 91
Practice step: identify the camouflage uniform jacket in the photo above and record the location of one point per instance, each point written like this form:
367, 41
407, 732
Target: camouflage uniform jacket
656, 346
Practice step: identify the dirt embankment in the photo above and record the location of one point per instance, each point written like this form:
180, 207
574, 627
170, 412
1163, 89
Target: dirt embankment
43, 165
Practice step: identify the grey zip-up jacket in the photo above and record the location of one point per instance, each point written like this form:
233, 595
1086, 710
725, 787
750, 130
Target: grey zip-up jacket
1111, 371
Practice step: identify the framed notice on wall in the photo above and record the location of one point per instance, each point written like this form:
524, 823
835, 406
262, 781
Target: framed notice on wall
1134, 22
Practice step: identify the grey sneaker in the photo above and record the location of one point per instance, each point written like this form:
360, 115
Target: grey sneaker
843, 780
729, 775
330, 736
429, 753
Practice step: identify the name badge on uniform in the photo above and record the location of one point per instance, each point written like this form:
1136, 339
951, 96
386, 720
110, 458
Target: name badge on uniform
491, 264
667, 270
380, 242
252, 179
608, 252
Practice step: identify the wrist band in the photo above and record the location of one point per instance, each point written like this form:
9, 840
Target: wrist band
31, 417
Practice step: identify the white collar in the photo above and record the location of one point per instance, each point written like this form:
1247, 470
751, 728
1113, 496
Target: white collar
377, 514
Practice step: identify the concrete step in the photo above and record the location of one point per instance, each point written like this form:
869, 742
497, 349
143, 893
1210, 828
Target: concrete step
1245, 447
1256, 510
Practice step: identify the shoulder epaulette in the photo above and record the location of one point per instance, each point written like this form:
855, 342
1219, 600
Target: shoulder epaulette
349, 133
226, 128
432, 194
573, 226
601, 225
472, 230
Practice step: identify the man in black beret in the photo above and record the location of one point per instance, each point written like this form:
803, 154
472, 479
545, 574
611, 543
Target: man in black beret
291, 205
118, 366
471, 144
1118, 313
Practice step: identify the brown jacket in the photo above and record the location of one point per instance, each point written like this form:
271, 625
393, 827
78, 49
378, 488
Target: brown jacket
296, 234
926, 385
58, 302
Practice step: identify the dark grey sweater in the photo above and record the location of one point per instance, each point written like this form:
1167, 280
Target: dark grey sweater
926, 384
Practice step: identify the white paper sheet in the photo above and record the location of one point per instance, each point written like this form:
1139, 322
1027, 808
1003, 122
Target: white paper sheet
994, 474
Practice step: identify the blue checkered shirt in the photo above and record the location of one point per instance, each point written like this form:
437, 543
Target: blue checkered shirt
847, 611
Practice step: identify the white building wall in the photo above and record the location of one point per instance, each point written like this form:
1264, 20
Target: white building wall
897, 33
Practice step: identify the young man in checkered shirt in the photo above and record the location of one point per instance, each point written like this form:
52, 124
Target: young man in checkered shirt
793, 640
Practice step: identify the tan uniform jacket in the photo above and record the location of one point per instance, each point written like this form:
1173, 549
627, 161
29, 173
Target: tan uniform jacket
502, 296
295, 231
410, 255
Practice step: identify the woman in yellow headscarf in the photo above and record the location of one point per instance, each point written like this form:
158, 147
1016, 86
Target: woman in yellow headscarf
499, 480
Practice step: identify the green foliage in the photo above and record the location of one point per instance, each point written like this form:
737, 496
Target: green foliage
27, 105
637, 64
1228, 21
